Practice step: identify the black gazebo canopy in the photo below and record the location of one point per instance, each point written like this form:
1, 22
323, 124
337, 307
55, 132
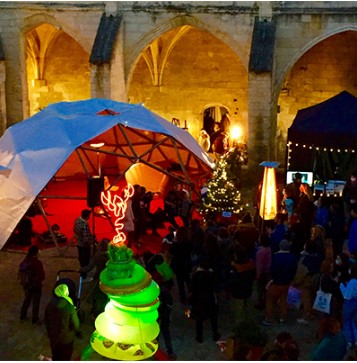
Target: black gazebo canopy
323, 138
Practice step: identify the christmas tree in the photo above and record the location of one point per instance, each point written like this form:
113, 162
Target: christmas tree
223, 193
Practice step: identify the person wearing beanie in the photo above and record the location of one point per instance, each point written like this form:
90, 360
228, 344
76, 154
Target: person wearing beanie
31, 275
62, 323
283, 269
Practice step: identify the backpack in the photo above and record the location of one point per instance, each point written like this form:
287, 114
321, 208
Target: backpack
165, 271
24, 275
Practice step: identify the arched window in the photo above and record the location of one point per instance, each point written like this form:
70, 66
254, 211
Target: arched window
212, 114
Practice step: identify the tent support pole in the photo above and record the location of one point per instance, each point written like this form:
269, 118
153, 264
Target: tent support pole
82, 163
183, 168
39, 203
128, 141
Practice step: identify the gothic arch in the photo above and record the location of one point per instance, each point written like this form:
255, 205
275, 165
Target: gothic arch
181, 21
55, 66
195, 75
213, 104
306, 48
292, 81
34, 21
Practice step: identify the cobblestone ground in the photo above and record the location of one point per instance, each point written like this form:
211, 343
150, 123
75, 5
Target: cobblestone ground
23, 341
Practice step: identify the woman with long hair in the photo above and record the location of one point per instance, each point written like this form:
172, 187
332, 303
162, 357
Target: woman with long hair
305, 209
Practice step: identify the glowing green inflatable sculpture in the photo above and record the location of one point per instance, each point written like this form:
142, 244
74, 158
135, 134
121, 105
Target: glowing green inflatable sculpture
128, 328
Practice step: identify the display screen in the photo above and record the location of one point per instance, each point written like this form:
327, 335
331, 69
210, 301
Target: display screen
226, 214
307, 177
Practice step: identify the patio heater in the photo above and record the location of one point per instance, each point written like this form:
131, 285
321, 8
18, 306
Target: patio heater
268, 208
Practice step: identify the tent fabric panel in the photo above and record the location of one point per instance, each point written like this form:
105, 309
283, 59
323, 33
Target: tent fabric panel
138, 174
332, 123
67, 126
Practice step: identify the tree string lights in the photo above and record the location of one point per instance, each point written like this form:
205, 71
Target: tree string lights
222, 192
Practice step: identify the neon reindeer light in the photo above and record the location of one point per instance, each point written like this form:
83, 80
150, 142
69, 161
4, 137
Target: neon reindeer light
118, 206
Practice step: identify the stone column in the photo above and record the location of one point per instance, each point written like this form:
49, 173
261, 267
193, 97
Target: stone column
107, 80
16, 82
117, 79
100, 80
261, 118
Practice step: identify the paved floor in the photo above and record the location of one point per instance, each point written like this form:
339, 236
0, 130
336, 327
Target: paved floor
23, 341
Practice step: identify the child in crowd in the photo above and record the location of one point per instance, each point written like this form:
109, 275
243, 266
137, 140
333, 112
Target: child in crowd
167, 242
349, 310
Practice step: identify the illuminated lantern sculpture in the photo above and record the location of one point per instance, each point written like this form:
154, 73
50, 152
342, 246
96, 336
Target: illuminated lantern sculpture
268, 200
128, 328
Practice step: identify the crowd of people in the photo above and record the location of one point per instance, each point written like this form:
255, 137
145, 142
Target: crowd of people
309, 247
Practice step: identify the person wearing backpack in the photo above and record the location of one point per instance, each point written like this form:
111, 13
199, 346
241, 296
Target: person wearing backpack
160, 270
31, 274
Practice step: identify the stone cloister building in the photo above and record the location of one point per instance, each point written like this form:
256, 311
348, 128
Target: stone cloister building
259, 61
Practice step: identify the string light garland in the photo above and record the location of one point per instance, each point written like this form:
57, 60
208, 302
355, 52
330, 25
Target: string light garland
325, 189
338, 149
317, 148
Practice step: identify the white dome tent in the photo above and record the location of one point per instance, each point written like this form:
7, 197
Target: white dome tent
59, 142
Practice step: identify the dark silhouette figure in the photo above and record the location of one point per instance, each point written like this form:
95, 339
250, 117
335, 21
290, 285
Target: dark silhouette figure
31, 269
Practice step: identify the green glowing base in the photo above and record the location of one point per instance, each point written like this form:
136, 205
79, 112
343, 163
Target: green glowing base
120, 351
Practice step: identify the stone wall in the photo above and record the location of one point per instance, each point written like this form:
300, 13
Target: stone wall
314, 58
78, 20
201, 71
66, 76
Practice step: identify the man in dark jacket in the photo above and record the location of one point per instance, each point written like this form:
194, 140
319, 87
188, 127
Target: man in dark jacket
85, 239
180, 252
203, 299
31, 269
241, 283
283, 269
62, 323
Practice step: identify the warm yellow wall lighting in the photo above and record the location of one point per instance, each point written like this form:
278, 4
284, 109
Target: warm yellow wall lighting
236, 132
